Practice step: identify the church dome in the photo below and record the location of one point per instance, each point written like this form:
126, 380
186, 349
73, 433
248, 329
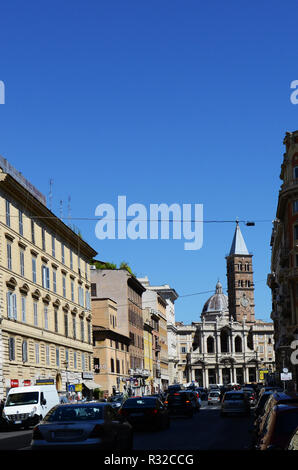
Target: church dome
216, 304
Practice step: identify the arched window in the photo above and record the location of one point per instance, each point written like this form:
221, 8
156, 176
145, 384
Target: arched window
224, 341
238, 344
210, 344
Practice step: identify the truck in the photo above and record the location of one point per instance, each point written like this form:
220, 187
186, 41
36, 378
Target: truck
26, 406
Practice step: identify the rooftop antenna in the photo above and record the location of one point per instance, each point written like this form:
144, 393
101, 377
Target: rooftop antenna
69, 211
50, 194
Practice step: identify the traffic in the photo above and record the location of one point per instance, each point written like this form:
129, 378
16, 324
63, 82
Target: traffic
113, 424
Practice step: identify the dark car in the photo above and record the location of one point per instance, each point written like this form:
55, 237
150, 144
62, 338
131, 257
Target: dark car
259, 409
274, 399
203, 393
145, 411
116, 401
182, 403
279, 426
82, 426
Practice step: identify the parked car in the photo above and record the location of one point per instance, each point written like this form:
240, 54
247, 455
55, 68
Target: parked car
145, 411
82, 426
234, 402
116, 401
259, 409
214, 397
250, 394
293, 444
203, 393
279, 426
197, 399
273, 400
181, 403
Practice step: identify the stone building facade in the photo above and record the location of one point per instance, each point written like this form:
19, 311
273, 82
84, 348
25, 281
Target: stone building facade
46, 319
283, 278
228, 345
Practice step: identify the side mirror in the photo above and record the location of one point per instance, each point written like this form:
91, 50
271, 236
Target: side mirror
43, 401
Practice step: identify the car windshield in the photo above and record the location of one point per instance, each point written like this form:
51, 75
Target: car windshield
214, 394
75, 413
26, 398
113, 399
140, 402
286, 423
234, 396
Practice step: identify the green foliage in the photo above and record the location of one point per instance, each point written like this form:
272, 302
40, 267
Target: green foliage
107, 265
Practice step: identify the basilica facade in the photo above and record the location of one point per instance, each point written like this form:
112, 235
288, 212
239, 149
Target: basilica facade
228, 345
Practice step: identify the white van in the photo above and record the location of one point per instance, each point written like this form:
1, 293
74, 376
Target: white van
26, 406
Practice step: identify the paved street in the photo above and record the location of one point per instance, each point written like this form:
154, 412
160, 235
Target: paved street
205, 431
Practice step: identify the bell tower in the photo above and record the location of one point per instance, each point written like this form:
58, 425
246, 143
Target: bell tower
240, 280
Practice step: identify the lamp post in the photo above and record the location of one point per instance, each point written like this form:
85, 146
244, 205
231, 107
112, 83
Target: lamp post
66, 364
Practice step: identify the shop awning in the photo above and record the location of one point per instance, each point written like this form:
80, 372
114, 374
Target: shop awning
91, 384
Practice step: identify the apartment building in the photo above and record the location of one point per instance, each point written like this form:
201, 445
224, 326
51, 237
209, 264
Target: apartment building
46, 320
124, 289
111, 348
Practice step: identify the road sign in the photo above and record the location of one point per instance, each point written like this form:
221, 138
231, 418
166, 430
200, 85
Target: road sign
287, 376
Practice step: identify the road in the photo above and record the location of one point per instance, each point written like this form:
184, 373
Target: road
205, 431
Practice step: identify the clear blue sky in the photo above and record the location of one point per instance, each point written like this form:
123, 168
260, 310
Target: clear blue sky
162, 101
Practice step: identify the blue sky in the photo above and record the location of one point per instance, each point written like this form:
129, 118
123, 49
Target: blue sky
165, 102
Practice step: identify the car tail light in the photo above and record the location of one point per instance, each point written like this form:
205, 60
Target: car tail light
166, 402
97, 431
36, 436
155, 411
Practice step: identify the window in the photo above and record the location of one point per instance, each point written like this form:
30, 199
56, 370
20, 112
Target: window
112, 365
56, 320
7, 208
21, 222
24, 351
82, 330
46, 319
45, 277
93, 290
54, 280
75, 360
87, 296
11, 348
43, 238
53, 247
72, 289
23, 302
296, 172
86, 270
117, 366
35, 314
11, 305
296, 232
66, 324
32, 231
9, 260
64, 285
57, 357
47, 355
81, 296
89, 332
83, 362
36, 353
74, 329
71, 259
33, 269
62, 253
22, 262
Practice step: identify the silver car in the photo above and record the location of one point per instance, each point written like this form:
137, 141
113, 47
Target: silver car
82, 426
214, 398
234, 402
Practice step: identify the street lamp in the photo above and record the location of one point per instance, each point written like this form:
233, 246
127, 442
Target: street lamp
66, 364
